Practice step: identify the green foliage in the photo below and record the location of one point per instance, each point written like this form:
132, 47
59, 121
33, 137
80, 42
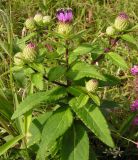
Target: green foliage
94, 120
81, 70
81, 50
47, 99
56, 126
10, 144
36, 128
56, 72
117, 60
33, 100
75, 145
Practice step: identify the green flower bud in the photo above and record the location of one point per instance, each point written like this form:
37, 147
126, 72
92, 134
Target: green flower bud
64, 28
46, 19
91, 85
110, 31
38, 18
29, 52
121, 22
30, 24
18, 59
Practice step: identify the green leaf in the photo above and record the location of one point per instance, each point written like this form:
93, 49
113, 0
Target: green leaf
130, 39
81, 70
54, 127
36, 128
6, 109
74, 91
81, 50
33, 100
95, 98
82, 100
75, 145
117, 60
24, 39
37, 79
93, 118
56, 72
126, 124
110, 80
134, 28
9, 144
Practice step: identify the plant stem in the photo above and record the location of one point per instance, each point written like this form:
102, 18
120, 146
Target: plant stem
67, 62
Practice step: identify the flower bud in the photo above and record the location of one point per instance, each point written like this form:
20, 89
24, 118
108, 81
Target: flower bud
91, 85
18, 59
30, 24
38, 19
29, 52
46, 19
110, 31
121, 22
64, 28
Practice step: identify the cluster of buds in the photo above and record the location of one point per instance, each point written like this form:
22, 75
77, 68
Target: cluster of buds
64, 17
28, 55
134, 105
91, 85
121, 23
38, 20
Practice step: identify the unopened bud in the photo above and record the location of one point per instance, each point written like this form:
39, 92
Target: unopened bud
30, 23
64, 28
18, 58
121, 22
46, 19
29, 52
91, 85
110, 31
38, 18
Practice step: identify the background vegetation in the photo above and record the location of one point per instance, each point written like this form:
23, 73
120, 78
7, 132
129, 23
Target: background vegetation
94, 16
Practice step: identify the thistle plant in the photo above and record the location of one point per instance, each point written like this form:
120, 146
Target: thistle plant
67, 89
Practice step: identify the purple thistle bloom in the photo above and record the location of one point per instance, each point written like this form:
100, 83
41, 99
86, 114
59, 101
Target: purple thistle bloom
31, 45
135, 121
123, 15
134, 106
64, 15
134, 70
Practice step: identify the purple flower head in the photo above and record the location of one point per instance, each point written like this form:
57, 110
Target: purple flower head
134, 70
31, 45
134, 106
123, 15
135, 121
64, 15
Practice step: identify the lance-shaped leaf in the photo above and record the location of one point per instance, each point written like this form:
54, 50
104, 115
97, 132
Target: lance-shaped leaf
36, 128
81, 70
54, 127
81, 50
56, 72
117, 60
93, 118
130, 39
9, 144
35, 99
75, 145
